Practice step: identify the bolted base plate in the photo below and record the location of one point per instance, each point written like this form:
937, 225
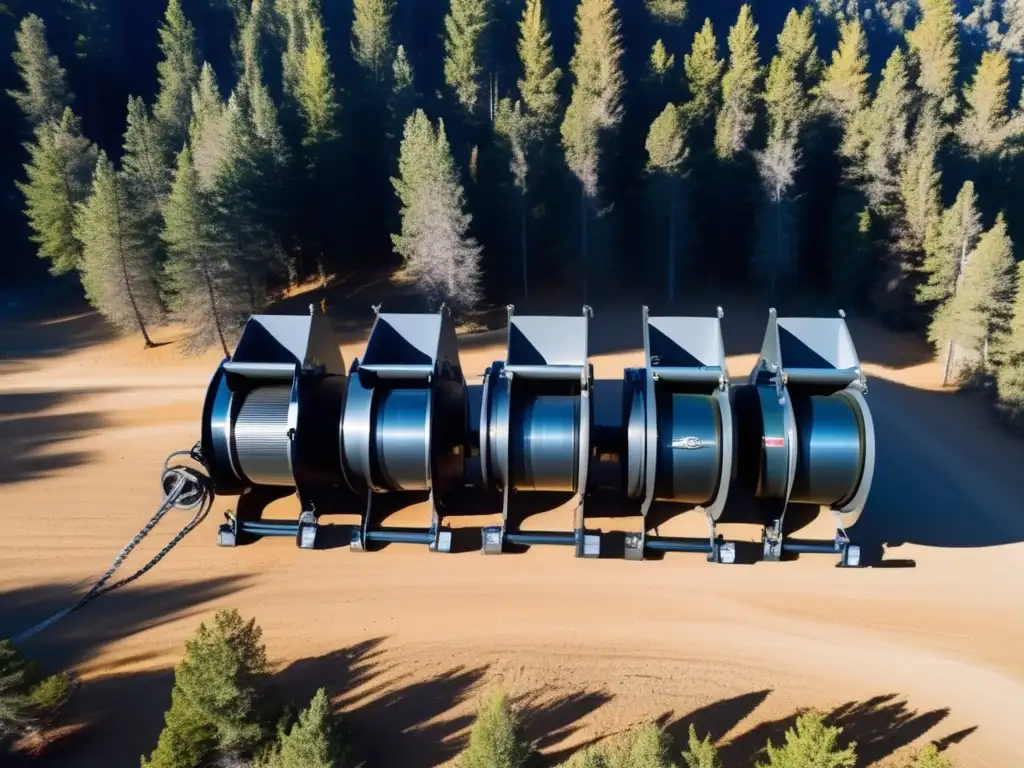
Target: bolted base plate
634, 546
491, 539
226, 536
443, 543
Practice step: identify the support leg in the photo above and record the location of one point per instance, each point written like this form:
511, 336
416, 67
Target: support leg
358, 542
587, 544
440, 538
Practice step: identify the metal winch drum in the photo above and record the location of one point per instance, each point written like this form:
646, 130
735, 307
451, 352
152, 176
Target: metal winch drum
284, 412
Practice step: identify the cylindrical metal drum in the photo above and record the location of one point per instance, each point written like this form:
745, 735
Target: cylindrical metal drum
260, 436
545, 433
830, 449
402, 438
689, 448
634, 417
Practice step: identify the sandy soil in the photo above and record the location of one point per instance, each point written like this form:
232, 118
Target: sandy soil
410, 640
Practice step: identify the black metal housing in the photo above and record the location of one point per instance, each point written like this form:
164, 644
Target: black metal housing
817, 442
679, 428
264, 416
405, 422
535, 423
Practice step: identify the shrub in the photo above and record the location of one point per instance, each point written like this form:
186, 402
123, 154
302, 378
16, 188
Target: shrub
214, 702
496, 740
312, 742
27, 699
929, 757
701, 754
646, 746
812, 744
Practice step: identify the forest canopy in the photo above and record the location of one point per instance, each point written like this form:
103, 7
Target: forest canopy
182, 161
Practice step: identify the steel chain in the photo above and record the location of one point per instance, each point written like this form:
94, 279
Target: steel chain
183, 475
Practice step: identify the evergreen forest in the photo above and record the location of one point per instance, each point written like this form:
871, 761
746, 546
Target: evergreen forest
182, 160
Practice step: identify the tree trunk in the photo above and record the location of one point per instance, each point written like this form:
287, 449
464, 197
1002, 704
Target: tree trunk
672, 241
127, 281
213, 306
583, 237
522, 243
949, 362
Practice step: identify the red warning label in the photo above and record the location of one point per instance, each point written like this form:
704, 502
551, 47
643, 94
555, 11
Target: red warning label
774, 442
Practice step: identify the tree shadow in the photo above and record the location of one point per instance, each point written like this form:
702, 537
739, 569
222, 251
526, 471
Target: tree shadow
29, 433
48, 334
880, 726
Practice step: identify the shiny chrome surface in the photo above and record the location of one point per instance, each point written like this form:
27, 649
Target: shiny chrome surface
261, 441
830, 450
545, 443
402, 439
689, 448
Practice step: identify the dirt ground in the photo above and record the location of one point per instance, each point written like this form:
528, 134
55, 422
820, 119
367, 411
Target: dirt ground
926, 649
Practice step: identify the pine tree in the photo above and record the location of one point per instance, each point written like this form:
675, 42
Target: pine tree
790, 76
208, 127
703, 75
666, 154
119, 269
371, 37
660, 62
440, 256
933, 42
920, 187
885, 130
403, 97
775, 256
667, 11
60, 167
701, 754
496, 738
985, 122
1013, 342
959, 230
146, 174
178, 74
979, 310
539, 83
464, 26
844, 85
811, 742
208, 292
738, 112
214, 699
595, 108
292, 19
315, 87
513, 125
311, 742
46, 94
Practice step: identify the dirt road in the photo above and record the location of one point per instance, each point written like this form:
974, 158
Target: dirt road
410, 640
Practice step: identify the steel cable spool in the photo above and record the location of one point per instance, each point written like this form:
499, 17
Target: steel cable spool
261, 441
817, 436
402, 439
689, 459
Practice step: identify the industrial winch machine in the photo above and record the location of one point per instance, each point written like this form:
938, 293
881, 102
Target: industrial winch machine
284, 413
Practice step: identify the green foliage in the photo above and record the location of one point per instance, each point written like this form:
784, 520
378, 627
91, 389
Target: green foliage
496, 739
464, 26
789, 76
665, 151
215, 694
667, 11
539, 83
178, 74
372, 46
920, 186
403, 95
703, 71
119, 264
45, 95
440, 255
959, 230
739, 86
144, 165
61, 162
811, 744
844, 84
645, 746
315, 87
27, 699
701, 753
985, 122
660, 62
312, 741
933, 41
929, 757
596, 103
884, 137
